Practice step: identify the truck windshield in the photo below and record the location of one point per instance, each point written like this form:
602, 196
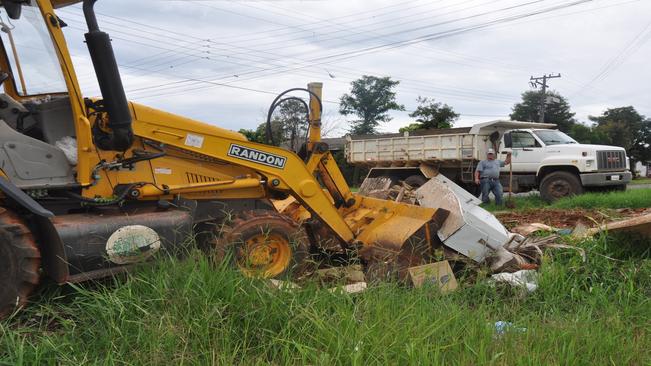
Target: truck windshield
554, 137
28, 47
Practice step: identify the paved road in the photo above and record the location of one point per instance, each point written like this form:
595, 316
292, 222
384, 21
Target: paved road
638, 186
536, 193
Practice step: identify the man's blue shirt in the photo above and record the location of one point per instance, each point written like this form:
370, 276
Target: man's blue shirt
489, 168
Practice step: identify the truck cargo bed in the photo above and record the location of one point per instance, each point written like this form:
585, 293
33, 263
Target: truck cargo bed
425, 148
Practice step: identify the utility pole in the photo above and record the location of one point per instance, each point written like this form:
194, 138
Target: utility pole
535, 82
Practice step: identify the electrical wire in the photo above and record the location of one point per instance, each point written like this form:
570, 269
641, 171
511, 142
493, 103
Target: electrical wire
612, 64
438, 35
202, 57
194, 79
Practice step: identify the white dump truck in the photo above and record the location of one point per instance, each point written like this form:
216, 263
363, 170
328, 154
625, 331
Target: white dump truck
543, 158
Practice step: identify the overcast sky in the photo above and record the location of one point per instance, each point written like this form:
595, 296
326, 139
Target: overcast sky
221, 61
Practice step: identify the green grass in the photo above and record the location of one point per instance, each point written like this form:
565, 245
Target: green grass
641, 181
187, 312
634, 198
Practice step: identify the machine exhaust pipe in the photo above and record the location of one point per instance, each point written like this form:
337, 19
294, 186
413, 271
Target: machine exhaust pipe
108, 76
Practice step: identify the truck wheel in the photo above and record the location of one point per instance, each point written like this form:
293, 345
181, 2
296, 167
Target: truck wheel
415, 181
263, 243
560, 184
20, 261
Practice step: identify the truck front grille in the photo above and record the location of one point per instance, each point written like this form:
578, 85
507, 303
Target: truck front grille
611, 160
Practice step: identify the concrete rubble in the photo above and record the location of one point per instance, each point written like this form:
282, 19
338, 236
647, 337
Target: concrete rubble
468, 232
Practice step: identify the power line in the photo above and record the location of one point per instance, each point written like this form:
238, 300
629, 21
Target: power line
438, 35
230, 55
611, 65
257, 51
382, 25
156, 46
204, 81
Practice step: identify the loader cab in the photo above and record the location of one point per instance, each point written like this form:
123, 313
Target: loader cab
35, 101
37, 129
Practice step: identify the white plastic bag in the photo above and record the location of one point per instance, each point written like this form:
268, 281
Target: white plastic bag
525, 278
69, 146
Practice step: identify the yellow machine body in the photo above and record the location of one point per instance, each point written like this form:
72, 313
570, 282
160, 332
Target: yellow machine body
205, 162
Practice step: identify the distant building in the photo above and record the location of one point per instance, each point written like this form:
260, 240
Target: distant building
643, 168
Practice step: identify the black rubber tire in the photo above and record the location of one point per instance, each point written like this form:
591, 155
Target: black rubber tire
229, 242
560, 184
415, 181
20, 261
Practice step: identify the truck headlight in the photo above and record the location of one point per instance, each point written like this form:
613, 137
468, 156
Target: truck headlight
589, 163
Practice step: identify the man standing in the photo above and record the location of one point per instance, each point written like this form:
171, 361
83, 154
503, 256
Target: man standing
487, 175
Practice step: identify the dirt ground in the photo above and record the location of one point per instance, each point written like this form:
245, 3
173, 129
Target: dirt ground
567, 218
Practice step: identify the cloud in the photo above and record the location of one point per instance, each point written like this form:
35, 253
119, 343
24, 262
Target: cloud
173, 47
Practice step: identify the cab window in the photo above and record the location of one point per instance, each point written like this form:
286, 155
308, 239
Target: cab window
30, 52
522, 139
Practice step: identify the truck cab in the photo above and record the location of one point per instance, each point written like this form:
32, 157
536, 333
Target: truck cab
559, 166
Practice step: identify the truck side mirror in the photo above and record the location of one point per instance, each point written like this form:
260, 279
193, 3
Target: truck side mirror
507, 140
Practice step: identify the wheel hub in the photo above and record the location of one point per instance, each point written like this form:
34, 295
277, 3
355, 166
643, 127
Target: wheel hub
264, 255
560, 188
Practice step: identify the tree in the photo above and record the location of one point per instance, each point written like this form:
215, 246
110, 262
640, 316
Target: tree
293, 124
625, 127
586, 134
581, 133
557, 110
370, 99
430, 114
288, 126
252, 135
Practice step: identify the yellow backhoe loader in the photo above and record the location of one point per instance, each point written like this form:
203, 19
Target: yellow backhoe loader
92, 186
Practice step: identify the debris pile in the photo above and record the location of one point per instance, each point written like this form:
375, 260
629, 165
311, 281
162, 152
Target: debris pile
568, 219
470, 237
383, 188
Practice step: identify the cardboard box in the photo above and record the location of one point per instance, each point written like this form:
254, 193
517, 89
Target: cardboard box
437, 274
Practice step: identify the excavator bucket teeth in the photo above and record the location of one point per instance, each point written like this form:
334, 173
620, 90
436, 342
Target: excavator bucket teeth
383, 227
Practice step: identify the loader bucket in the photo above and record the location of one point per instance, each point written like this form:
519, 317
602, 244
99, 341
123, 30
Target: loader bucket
388, 224
381, 227
386, 230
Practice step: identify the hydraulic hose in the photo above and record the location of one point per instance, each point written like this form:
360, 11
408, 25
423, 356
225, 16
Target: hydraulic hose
268, 131
276, 102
